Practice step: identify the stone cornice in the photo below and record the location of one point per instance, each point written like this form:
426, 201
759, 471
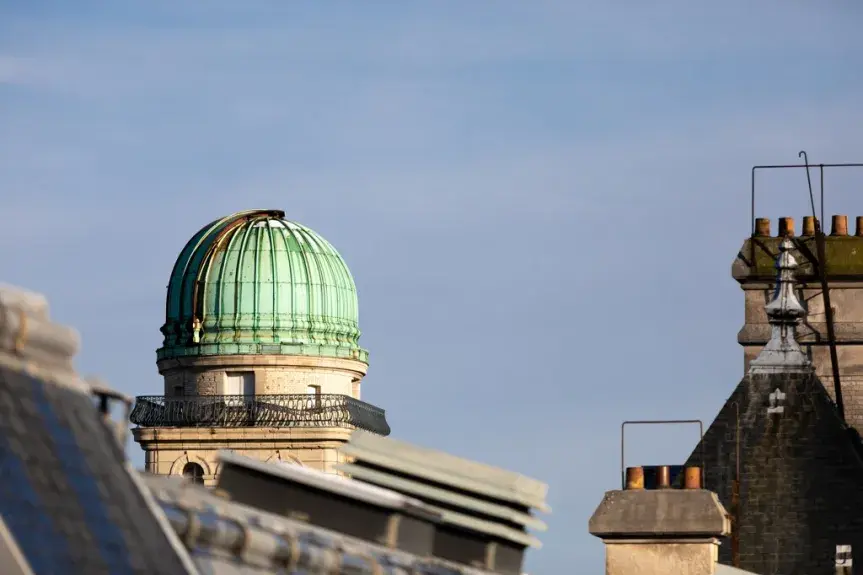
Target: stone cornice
207, 437
262, 361
761, 284
809, 333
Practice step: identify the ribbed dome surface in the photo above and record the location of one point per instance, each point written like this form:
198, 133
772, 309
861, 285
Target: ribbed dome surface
256, 283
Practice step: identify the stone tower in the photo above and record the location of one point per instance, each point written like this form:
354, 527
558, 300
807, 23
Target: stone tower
261, 352
754, 269
779, 457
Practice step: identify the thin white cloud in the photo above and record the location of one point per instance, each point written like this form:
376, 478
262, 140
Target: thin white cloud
433, 40
552, 181
582, 177
20, 71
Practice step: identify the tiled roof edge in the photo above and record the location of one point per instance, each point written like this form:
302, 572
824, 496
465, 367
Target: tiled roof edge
447, 469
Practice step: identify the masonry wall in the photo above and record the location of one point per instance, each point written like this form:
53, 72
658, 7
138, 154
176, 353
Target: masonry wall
274, 374
801, 476
168, 450
268, 380
847, 300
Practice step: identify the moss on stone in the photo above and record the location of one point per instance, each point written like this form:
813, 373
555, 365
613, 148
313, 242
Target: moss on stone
844, 255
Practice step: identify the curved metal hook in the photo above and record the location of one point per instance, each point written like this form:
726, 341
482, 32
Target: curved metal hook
805, 156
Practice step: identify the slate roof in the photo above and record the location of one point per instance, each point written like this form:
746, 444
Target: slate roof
228, 538
68, 500
800, 475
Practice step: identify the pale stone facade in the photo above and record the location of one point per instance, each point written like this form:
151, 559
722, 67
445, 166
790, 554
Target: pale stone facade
169, 450
272, 374
660, 557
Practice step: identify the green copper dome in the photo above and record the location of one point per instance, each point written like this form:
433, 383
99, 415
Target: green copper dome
256, 283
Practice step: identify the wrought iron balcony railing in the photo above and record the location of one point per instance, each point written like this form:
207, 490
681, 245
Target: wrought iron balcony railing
298, 410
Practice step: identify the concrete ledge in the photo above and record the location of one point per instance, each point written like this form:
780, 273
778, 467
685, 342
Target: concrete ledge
666, 513
242, 435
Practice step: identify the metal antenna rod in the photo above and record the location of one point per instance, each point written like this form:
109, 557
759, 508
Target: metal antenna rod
805, 157
821, 267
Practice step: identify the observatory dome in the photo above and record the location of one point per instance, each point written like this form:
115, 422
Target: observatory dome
256, 283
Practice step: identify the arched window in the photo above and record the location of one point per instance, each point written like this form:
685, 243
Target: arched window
194, 473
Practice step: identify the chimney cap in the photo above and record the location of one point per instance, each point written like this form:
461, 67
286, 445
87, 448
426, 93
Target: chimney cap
643, 515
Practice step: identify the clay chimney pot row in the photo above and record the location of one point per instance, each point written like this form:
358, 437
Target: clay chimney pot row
786, 226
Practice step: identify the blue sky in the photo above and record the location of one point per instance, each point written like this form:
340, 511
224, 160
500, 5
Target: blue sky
540, 201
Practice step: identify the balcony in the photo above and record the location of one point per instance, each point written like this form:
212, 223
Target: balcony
297, 410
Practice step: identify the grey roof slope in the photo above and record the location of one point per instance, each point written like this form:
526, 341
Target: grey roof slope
68, 500
447, 469
485, 511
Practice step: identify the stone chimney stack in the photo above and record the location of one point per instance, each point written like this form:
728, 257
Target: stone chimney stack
660, 531
754, 268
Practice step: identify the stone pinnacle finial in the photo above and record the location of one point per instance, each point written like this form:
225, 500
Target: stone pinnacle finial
785, 308
782, 353
28, 334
